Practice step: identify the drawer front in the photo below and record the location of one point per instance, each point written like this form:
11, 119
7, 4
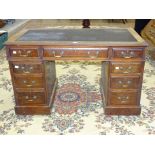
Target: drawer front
86, 53
123, 98
23, 52
126, 68
125, 82
30, 98
26, 68
29, 81
128, 53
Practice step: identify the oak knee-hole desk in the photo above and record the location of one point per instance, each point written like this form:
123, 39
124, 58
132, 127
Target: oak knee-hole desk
32, 54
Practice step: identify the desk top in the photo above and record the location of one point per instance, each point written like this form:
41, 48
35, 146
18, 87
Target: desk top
77, 36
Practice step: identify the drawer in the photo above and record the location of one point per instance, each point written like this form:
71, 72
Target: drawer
23, 52
126, 82
70, 52
128, 53
28, 81
126, 68
123, 98
30, 98
26, 68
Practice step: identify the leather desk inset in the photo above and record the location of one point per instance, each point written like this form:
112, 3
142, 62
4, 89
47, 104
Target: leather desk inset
32, 55
78, 35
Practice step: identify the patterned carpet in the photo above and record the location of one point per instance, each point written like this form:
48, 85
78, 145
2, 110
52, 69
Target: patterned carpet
77, 108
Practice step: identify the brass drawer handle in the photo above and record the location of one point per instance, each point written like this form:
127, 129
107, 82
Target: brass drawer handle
129, 82
24, 55
123, 98
29, 85
26, 97
124, 84
24, 81
126, 70
16, 67
27, 70
127, 54
58, 56
30, 100
93, 56
34, 97
14, 52
120, 82
31, 68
